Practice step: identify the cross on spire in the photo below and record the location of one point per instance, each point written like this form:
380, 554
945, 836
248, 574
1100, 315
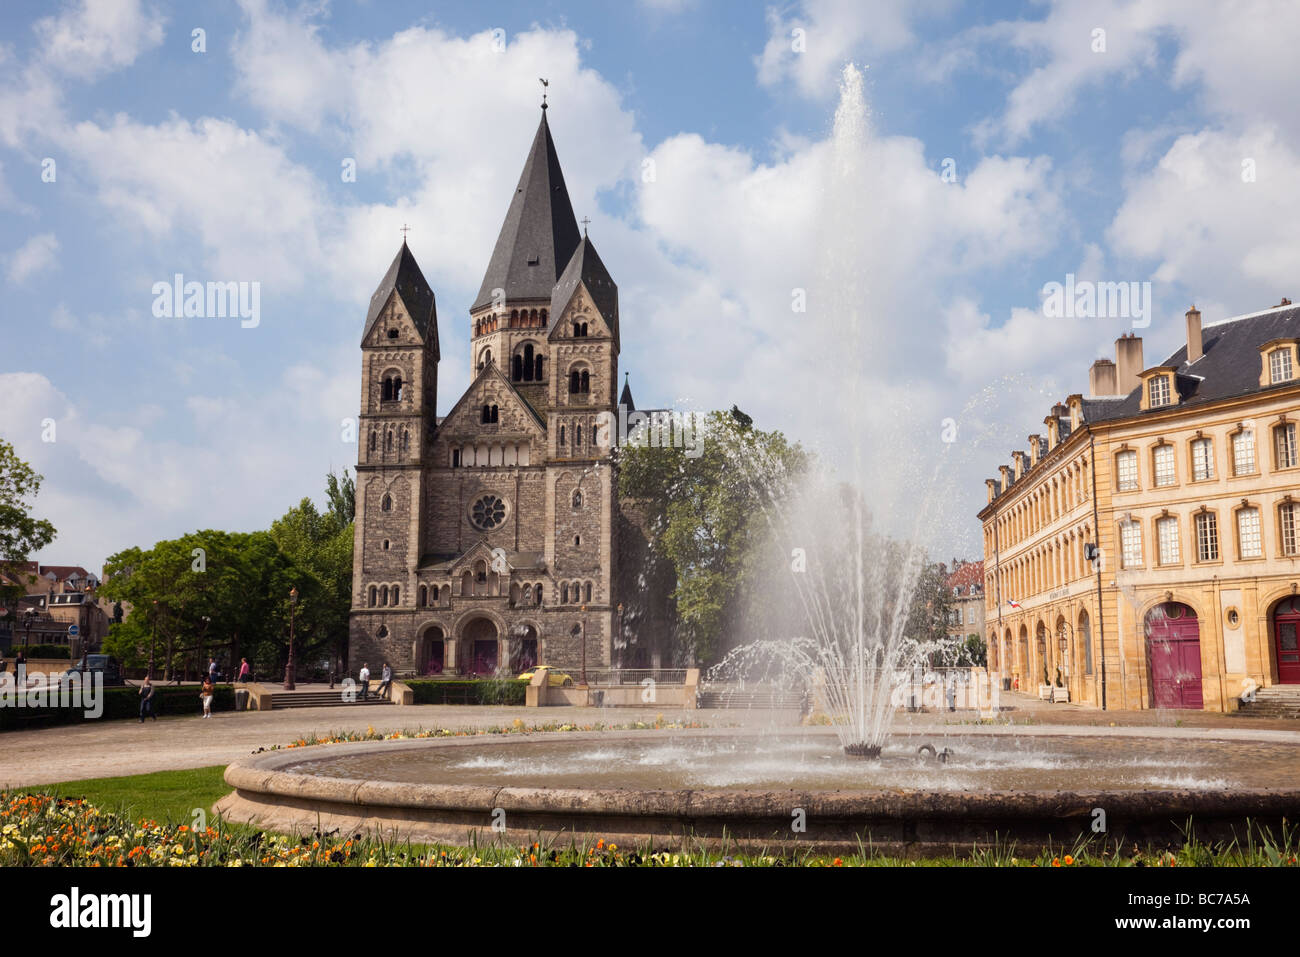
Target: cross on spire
585, 221
405, 229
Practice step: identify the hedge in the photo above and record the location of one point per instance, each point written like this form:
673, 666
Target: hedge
509, 691
40, 651
119, 704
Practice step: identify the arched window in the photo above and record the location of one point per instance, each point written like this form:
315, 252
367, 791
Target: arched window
577, 437
455, 458
383, 596
537, 369
561, 435
514, 316
587, 592
575, 382
374, 596
386, 504
517, 369
577, 499
586, 382
486, 417
397, 388
494, 413
374, 439
527, 362
564, 594
424, 596
526, 595
593, 435
543, 317
406, 439
386, 394
537, 593
396, 599
388, 441
577, 540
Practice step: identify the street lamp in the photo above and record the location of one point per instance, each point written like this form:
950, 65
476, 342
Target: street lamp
584, 646
289, 665
622, 639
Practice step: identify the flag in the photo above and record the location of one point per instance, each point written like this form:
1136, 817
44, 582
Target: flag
1013, 603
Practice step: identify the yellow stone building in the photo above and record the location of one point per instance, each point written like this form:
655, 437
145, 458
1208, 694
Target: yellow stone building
1145, 550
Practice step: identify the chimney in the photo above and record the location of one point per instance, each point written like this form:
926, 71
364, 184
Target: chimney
1034, 449
1128, 362
992, 486
1194, 347
1006, 477
1101, 379
1020, 463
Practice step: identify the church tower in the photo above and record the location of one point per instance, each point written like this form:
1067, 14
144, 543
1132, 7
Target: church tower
399, 388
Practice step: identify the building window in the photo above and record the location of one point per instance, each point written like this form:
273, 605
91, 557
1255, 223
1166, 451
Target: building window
1287, 519
1126, 465
1167, 540
564, 594
1249, 542
455, 458
488, 512
1130, 537
387, 504
1164, 465
1158, 391
1202, 460
1243, 452
1284, 445
374, 596
577, 500
1279, 366
1207, 537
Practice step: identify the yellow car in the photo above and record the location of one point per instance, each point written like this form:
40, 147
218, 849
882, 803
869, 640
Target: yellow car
554, 679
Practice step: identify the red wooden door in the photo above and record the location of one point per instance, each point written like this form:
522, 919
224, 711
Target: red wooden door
1286, 628
1174, 650
434, 665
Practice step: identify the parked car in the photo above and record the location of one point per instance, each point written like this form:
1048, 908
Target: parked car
554, 679
106, 664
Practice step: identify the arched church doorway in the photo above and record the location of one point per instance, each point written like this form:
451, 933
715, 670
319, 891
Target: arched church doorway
481, 641
432, 651
1174, 655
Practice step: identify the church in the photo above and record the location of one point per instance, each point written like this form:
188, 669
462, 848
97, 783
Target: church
489, 538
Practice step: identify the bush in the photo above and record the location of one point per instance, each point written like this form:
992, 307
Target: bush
119, 704
41, 651
503, 691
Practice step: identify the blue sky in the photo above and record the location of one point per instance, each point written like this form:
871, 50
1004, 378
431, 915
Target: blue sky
1117, 164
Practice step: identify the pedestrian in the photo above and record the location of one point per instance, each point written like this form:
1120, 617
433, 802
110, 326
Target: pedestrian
385, 689
212, 670
206, 696
243, 669
20, 670
146, 700
363, 680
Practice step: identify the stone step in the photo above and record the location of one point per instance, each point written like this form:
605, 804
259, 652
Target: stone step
748, 699
320, 699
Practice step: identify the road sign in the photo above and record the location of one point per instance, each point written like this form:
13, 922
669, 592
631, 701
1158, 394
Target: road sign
73, 630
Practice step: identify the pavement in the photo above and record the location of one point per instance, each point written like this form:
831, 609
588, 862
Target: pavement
112, 748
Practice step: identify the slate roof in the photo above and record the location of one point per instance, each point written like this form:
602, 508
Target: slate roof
1230, 366
405, 278
540, 232
626, 398
586, 267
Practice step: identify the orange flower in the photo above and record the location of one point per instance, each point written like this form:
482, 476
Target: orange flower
838, 862
1068, 860
1056, 862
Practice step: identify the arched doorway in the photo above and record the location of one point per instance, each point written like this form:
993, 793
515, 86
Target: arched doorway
432, 651
1174, 655
1286, 627
481, 643
523, 648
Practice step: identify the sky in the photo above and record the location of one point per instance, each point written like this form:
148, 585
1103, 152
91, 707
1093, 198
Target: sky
989, 150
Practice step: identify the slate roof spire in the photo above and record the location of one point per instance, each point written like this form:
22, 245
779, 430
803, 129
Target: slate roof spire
626, 398
587, 268
405, 278
540, 232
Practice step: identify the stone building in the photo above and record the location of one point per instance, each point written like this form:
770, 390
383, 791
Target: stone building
966, 616
1147, 545
488, 537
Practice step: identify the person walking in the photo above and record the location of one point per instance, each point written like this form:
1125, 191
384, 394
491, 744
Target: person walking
212, 670
146, 699
244, 670
385, 689
20, 670
206, 695
363, 680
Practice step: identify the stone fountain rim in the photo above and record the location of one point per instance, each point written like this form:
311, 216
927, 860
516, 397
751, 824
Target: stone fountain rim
264, 776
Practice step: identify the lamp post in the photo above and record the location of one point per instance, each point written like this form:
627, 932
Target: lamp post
203, 643
289, 665
29, 618
153, 635
622, 640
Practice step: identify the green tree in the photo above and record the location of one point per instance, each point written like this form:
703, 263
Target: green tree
319, 545
20, 533
705, 516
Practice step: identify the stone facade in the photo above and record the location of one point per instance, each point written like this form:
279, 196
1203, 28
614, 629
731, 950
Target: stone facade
487, 539
1148, 546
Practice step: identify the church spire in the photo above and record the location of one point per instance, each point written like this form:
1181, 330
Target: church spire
540, 232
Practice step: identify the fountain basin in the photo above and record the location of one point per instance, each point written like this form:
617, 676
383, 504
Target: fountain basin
743, 789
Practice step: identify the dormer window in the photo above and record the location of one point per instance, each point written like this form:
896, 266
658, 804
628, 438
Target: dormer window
1158, 391
1280, 367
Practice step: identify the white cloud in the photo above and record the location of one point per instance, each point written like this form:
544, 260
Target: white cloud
92, 37
32, 257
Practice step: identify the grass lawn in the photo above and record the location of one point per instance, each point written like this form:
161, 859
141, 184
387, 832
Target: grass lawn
164, 796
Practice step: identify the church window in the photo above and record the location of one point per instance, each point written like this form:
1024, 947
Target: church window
577, 437
575, 382
517, 369
537, 369
392, 333
373, 441
424, 596
488, 512
382, 632
397, 388
587, 592
526, 596
374, 596
386, 543
527, 362
564, 594
386, 504
577, 500
396, 599
585, 383
383, 597
388, 441
577, 540
487, 414
543, 317
455, 458
532, 317
514, 316
593, 435
406, 439
561, 435
537, 593
386, 393
494, 414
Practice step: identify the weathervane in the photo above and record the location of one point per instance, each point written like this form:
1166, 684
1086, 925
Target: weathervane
545, 84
